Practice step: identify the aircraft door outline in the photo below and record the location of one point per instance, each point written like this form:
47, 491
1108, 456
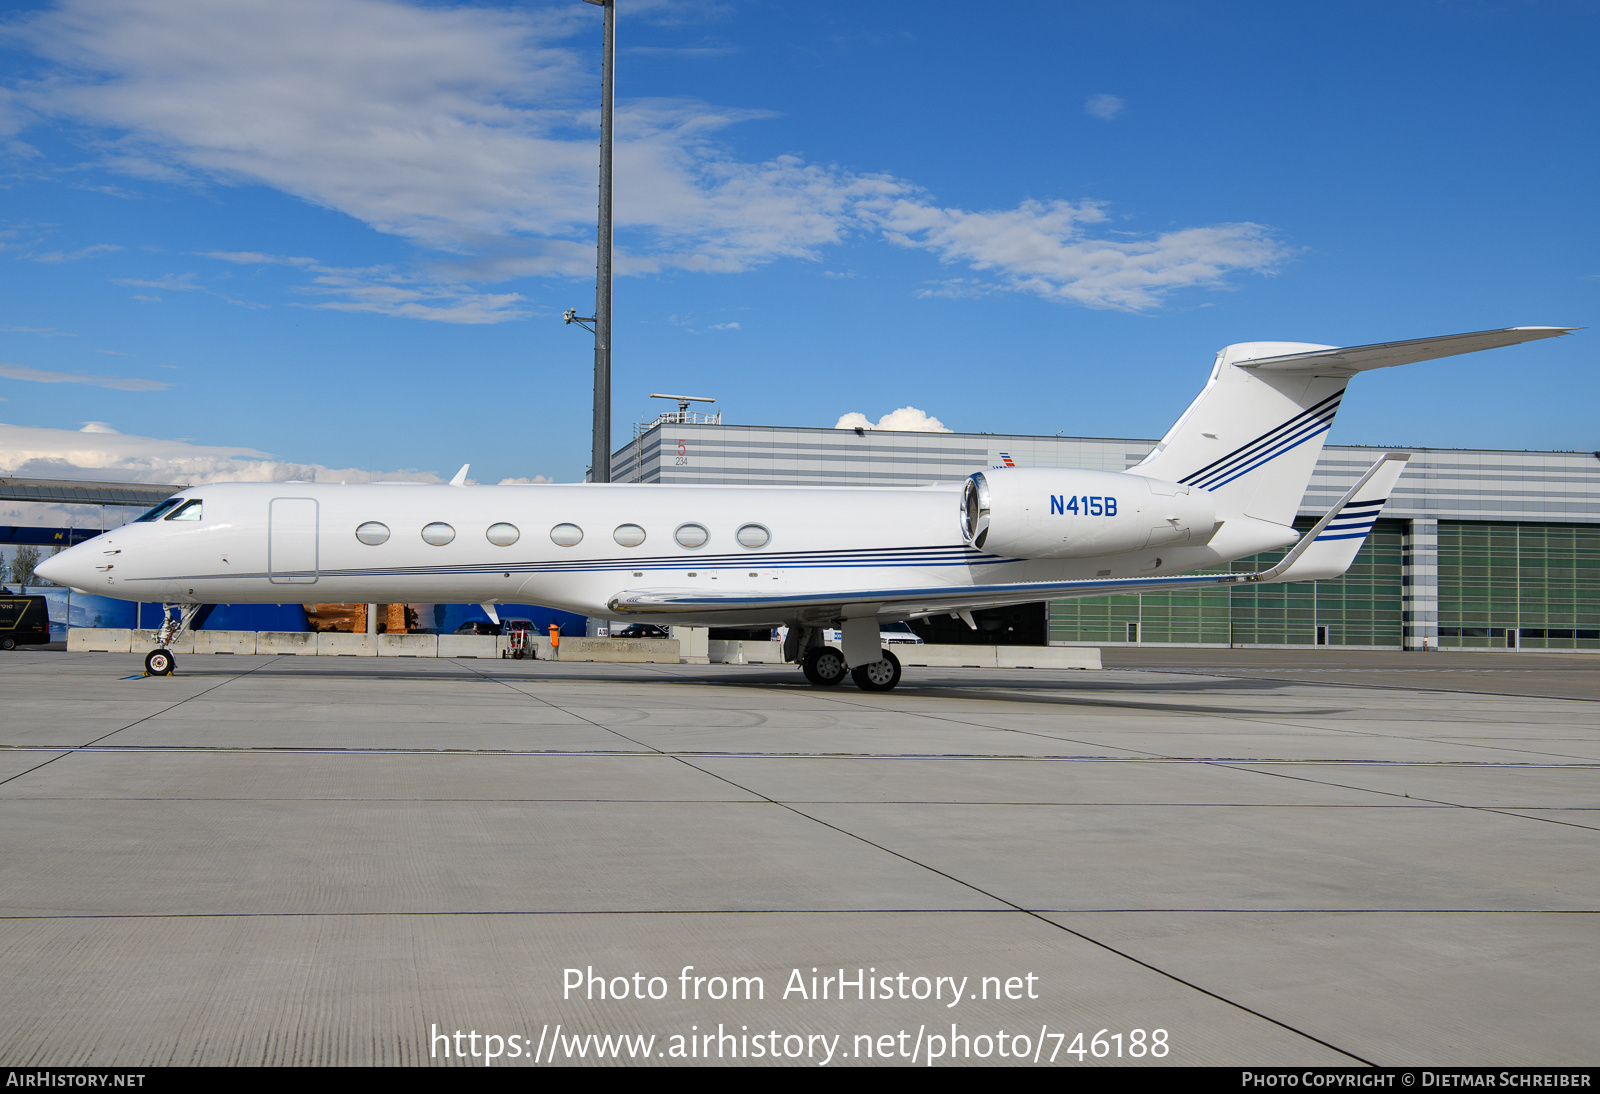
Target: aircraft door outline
292, 541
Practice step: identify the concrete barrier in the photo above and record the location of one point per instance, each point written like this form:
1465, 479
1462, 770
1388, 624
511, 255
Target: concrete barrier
659, 651
734, 652
337, 644
1047, 657
142, 642
98, 639
693, 644
410, 645
468, 645
301, 642
617, 650
945, 657
225, 642
998, 657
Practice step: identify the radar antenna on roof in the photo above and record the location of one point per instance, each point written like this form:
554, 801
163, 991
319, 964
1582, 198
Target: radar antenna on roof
683, 400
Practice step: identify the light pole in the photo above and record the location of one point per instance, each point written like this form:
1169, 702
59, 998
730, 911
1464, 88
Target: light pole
600, 459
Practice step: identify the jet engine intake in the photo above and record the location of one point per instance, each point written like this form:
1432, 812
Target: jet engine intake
1047, 512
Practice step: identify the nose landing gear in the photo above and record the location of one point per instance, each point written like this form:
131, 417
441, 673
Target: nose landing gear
159, 661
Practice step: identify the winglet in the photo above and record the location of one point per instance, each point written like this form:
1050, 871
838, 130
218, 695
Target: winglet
1329, 548
461, 476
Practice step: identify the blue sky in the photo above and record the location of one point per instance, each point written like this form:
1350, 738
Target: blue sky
286, 238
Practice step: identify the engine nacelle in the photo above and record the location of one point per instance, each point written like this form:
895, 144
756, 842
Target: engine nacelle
1048, 512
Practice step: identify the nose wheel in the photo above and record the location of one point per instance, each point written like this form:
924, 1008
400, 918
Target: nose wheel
159, 663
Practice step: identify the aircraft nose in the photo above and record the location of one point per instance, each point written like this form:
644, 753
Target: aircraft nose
71, 567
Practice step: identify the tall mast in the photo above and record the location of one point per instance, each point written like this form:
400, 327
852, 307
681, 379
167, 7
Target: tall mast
600, 457
602, 289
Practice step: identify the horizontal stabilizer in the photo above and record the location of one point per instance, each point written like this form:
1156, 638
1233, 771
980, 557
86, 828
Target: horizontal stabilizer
1353, 359
1331, 546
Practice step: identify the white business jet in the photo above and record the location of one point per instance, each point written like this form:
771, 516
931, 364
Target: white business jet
1224, 483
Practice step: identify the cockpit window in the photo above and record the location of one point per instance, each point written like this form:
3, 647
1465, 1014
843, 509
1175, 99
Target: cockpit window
158, 511
188, 511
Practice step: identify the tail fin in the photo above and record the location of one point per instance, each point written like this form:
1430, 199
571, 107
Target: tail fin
1252, 439
1253, 436
1331, 546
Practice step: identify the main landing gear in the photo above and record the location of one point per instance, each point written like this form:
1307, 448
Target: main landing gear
878, 676
825, 667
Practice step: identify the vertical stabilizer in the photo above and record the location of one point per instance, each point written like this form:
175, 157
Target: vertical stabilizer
1252, 437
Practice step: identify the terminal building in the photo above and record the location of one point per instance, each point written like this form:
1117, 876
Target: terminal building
1477, 548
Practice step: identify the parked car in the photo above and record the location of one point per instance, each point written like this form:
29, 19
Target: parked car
892, 633
24, 621
640, 630
478, 626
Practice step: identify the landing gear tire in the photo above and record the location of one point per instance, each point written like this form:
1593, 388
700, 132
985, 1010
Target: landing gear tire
159, 662
8, 643
825, 667
878, 676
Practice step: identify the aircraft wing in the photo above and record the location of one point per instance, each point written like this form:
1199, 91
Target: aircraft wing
894, 602
1352, 359
1327, 550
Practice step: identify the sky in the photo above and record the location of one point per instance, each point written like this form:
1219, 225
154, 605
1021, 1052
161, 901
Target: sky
333, 239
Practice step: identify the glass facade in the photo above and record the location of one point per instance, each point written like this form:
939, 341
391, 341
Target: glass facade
1531, 586
1360, 609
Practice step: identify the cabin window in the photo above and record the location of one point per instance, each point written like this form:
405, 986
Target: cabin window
566, 535
628, 535
188, 511
503, 534
159, 511
753, 536
373, 533
691, 535
438, 533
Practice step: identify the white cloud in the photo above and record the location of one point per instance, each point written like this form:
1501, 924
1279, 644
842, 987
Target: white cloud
537, 479
1043, 248
45, 376
169, 283
1103, 106
724, 326
98, 449
73, 256
908, 419
470, 132
42, 332
252, 258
